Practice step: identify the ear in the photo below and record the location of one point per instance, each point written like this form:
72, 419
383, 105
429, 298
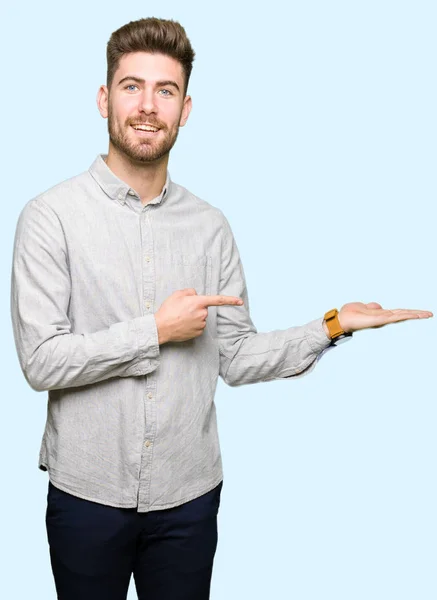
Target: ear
188, 104
102, 101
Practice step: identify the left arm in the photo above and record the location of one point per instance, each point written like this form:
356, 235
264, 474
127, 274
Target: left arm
247, 356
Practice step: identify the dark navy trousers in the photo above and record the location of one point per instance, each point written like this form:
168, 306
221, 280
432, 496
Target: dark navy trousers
95, 549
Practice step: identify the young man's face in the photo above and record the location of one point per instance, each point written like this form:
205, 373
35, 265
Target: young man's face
147, 89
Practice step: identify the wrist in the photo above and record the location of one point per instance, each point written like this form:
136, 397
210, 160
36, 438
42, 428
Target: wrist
345, 328
163, 336
333, 323
334, 328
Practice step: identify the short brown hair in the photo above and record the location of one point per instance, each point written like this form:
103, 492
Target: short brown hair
150, 35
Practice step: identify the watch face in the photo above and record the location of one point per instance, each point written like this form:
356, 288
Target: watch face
341, 339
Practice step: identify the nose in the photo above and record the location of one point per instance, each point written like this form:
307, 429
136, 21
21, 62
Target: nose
148, 101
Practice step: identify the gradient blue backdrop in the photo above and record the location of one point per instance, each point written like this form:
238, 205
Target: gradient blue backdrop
314, 130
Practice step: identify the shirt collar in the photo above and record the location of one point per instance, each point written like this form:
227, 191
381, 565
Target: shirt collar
117, 189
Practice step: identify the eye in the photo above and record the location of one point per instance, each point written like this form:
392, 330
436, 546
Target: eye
131, 85
168, 92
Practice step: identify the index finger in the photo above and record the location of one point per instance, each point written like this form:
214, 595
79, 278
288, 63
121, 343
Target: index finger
219, 300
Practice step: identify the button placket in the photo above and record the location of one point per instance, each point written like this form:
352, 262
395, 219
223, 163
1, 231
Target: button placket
147, 454
149, 399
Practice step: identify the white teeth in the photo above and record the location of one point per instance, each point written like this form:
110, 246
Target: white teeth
145, 127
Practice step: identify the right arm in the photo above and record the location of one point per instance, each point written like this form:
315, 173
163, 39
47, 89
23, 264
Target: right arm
50, 355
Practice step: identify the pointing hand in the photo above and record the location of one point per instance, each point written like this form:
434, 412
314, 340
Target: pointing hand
182, 316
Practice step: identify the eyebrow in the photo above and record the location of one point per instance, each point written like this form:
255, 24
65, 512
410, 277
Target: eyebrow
158, 83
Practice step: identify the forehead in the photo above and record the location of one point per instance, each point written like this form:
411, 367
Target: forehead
148, 66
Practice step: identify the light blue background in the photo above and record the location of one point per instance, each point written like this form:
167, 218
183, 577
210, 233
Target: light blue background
314, 130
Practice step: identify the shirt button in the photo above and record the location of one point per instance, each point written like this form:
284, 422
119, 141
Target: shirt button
150, 395
147, 258
131, 193
148, 443
147, 304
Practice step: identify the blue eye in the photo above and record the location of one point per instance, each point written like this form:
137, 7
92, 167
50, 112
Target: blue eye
168, 92
130, 85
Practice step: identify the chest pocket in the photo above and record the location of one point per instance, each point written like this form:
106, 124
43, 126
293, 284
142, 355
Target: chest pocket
180, 271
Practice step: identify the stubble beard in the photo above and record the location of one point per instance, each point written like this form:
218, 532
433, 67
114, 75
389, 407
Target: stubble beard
140, 150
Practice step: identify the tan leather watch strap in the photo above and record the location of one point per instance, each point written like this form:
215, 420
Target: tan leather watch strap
333, 324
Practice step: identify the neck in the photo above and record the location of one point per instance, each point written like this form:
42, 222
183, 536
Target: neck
147, 179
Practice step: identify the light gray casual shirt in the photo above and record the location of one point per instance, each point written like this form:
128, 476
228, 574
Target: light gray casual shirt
131, 423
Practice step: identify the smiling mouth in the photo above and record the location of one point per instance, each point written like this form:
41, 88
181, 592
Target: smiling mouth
145, 129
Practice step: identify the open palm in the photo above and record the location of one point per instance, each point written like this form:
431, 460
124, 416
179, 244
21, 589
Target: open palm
356, 315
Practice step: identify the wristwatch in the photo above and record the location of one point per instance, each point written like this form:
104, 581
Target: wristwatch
338, 336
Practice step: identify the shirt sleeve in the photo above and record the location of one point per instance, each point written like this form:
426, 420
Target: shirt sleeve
50, 355
247, 356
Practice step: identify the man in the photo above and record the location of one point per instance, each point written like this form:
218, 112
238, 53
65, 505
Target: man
128, 300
